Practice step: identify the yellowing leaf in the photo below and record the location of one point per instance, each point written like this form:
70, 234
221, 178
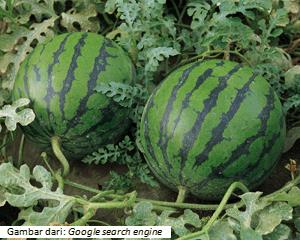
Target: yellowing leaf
83, 20
10, 40
39, 32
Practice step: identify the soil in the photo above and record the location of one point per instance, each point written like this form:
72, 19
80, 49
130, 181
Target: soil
95, 175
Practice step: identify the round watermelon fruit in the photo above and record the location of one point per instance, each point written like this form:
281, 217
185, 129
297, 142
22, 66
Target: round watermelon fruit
59, 77
209, 124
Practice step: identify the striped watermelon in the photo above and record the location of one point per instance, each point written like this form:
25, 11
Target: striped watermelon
59, 78
212, 123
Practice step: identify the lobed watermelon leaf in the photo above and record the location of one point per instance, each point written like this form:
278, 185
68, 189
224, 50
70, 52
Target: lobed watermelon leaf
12, 117
198, 11
19, 192
292, 197
149, 36
74, 20
111, 153
260, 220
220, 230
15, 53
143, 214
270, 217
126, 153
124, 94
252, 207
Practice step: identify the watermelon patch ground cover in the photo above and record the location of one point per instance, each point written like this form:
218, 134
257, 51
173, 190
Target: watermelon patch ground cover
113, 185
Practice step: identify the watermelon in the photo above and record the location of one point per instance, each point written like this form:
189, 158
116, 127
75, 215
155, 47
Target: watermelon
59, 77
209, 124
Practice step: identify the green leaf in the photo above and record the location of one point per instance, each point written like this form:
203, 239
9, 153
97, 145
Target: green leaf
128, 10
222, 230
12, 117
292, 76
142, 172
156, 55
149, 35
119, 182
123, 94
233, 7
297, 223
142, 215
249, 233
179, 224
252, 204
110, 6
57, 205
281, 232
112, 153
292, 197
199, 11
296, 218
245, 218
271, 216
279, 18
228, 31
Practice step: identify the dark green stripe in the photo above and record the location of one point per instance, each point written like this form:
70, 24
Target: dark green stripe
209, 103
217, 132
44, 46
26, 87
107, 113
99, 66
243, 148
163, 136
220, 63
37, 73
152, 161
149, 147
186, 101
267, 148
185, 104
50, 90
71, 74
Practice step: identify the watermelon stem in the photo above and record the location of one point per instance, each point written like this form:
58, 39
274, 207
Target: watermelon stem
45, 159
214, 217
20, 153
55, 143
57, 175
85, 218
181, 194
156, 203
59, 180
91, 207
